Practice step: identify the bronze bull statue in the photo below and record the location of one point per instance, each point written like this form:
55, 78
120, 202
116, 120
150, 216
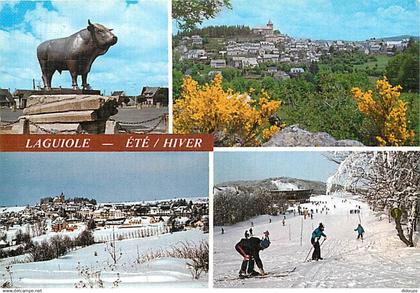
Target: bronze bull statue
75, 53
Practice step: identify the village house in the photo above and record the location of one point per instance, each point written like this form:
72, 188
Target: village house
59, 224
6, 98
196, 40
158, 96
296, 71
196, 54
218, 63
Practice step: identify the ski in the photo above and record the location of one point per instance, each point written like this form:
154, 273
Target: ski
324, 259
267, 275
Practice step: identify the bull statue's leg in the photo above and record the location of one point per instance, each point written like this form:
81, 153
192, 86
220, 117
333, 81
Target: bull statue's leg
85, 85
72, 66
46, 76
74, 80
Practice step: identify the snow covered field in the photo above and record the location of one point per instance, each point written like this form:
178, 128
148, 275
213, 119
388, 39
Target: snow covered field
65, 271
380, 261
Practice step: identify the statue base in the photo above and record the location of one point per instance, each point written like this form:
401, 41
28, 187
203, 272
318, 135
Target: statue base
66, 91
69, 113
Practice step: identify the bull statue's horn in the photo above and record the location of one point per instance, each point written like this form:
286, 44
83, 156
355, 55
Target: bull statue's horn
89, 22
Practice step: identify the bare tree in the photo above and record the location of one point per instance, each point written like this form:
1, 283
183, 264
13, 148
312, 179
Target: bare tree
389, 181
112, 250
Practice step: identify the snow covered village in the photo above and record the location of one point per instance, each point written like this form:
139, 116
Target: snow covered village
125, 234
357, 226
81, 238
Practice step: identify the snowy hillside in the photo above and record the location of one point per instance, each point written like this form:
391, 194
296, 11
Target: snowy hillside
381, 260
284, 185
281, 183
11, 209
65, 271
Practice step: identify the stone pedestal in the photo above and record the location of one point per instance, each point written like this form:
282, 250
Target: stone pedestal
70, 113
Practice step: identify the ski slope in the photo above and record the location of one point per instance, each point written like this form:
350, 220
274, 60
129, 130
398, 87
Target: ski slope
380, 261
64, 272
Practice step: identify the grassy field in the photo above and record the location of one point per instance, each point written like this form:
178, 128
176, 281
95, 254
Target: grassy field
381, 62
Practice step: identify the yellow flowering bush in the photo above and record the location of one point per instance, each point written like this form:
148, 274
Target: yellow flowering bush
387, 112
233, 118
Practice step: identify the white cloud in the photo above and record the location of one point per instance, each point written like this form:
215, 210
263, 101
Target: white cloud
139, 56
18, 62
11, 4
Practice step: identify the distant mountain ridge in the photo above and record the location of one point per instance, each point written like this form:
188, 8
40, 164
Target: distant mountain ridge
399, 38
318, 187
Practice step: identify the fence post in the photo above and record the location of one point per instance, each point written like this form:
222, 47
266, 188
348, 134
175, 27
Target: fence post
111, 127
23, 126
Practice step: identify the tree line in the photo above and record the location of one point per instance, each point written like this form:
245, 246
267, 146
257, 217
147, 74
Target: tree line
47, 249
233, 206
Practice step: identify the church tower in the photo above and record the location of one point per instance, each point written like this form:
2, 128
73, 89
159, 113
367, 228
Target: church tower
270, 24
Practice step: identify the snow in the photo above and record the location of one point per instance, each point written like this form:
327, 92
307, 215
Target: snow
284, 186
381, 260
4, 210
64, 271
197, 199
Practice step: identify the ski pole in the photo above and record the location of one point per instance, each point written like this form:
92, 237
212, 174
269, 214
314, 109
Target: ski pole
308, 254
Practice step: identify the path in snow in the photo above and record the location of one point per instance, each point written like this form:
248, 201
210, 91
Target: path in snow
381, 260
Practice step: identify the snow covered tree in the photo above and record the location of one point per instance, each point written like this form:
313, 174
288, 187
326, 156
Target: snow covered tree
388, 181
241, 203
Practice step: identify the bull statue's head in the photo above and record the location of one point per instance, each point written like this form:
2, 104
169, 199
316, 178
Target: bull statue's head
102, 36
73, 55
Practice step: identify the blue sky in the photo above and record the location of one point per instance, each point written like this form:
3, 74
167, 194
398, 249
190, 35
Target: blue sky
327, 19
140, 58
26, 177
230, 166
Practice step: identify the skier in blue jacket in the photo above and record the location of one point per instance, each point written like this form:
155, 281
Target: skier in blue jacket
360, 231
316, 235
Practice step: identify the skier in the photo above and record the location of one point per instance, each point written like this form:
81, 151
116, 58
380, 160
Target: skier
316, 235
249, 249
269, 220
246, 234
223, 231
284, 222
250, 231
360, 231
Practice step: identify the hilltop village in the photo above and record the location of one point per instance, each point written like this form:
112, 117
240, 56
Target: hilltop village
59, 214
253, 47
